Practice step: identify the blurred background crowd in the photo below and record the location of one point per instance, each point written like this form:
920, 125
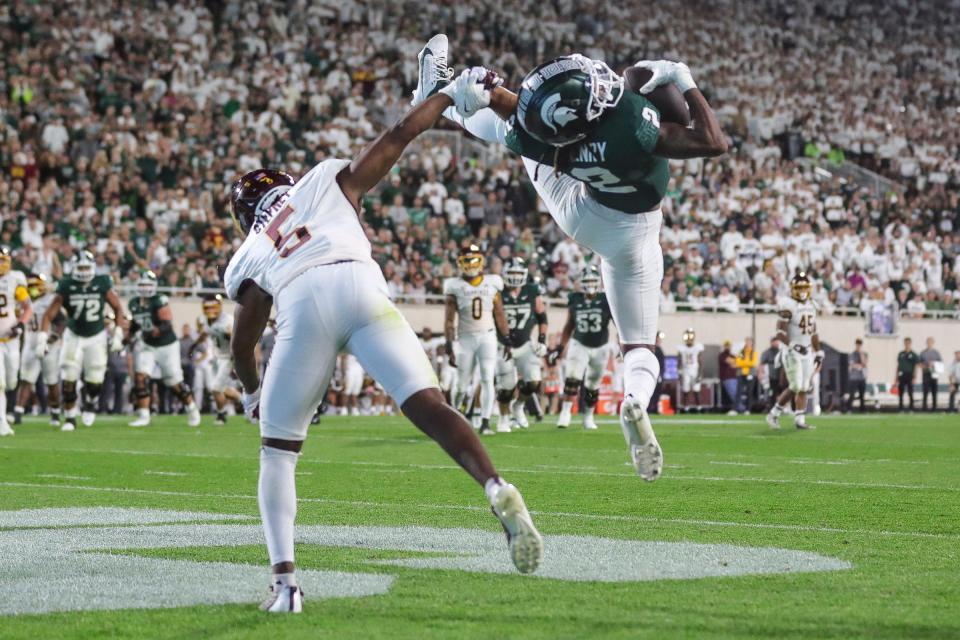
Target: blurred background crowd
129, 148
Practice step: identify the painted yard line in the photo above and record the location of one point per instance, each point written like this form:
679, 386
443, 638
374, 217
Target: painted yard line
834, 483
736, 464
164, 473
405, 506
62, 476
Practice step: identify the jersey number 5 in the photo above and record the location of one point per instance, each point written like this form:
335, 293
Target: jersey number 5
281, 241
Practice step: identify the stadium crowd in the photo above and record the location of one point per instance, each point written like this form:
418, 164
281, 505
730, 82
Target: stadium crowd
129, 147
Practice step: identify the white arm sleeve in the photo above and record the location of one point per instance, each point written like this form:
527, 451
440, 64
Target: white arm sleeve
484, 124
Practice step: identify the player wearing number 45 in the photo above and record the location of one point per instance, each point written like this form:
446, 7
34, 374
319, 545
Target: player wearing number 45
306, 251
85, 296
596, 152
156, 345
800, 351
15, 311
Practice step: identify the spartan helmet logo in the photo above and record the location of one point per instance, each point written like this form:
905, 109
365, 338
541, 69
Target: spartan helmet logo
555, 116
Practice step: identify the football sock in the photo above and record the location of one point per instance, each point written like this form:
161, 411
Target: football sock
3, 406
492, 486
222, 415
778, 409
487, 397
800, 417
566, 406
143, 413
588, 411
277, 496
285, 579
640, 372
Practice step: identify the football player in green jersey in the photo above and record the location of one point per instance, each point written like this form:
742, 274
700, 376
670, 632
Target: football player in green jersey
588, 323
156, 346
597, 155
524, 309
84, 296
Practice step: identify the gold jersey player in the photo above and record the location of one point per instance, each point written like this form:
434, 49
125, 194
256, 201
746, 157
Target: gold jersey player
597, 156
15, 311
305, 251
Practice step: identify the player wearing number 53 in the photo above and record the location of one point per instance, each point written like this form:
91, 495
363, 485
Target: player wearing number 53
306, 251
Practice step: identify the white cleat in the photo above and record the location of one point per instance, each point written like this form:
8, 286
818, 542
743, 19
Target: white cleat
773, 420
193, 417
67, 426
434, 74
503, 424
589, 423
5, 429
520, 416
54, 422
142, 421
563, 420
525, 542
803, 426
87, 418
283, 599
645, 451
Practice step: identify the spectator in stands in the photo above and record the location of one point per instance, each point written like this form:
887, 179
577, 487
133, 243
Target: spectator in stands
726, 365
746, 363
857, 375
907, 361
954, 373
932, 369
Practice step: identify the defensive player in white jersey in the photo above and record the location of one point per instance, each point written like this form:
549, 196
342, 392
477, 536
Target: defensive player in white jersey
800, 350
33, 367
215, 328
15, 311
474, 313
352, 384
691, 369
306, 251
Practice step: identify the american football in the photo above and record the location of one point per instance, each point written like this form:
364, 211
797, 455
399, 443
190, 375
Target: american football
365, 319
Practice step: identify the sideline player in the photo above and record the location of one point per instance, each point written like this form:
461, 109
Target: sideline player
521, 373
33, 367
597, 155
304, 248
156, 345
802, 356
691, 370
475, 311
215, 328
84, 296
15, 311
588, 323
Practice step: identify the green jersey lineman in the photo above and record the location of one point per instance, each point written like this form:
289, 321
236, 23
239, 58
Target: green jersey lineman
591, 318
85, 304
145, 312
521, 311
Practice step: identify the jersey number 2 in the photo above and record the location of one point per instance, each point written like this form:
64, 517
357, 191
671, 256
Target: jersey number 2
281, 241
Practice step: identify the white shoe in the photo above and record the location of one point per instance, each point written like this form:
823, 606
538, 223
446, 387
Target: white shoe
588, 422
142, 421
803, 426
732, 412
563, 420
355, 411
193, 417
526, 544
87, 418
773, 420
503, 424
54, 422
5, 429
283, 599
520, 416
434, 74
67, 426
645, 451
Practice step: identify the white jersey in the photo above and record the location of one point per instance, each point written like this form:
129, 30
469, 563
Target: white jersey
13, 289
690, 358
40, 306
218, 333
474, 303
803, 321
430, 348
312, 224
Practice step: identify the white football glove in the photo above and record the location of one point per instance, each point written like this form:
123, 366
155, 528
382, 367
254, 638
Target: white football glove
470, 92
539, 349
664, 72
251, 405
116, 340
42, 344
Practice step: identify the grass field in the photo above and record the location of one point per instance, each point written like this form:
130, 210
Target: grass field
406, 543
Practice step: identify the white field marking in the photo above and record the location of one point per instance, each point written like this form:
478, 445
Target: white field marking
834, 483
406, 506
826, 462
736, 464
62, 476
150, 472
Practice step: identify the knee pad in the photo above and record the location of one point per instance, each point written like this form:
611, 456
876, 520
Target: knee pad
92, 391
182, 392
590, 396
69, 392
571, 387
140, 390
530, 388
505, 395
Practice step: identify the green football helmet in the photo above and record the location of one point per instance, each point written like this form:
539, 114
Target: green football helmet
85, 267
562, 100
147, 284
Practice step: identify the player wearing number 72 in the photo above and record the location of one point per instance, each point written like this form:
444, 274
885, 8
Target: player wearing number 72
597, 153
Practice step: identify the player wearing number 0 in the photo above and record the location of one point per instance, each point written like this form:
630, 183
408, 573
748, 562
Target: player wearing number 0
84, 296
800, 351
32, 367
475, 313
156, 345
306, 251
15, 311
691, 368
521, 373
216, 327
588, 323
597, 155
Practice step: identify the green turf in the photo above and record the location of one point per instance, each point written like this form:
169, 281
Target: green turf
879, 492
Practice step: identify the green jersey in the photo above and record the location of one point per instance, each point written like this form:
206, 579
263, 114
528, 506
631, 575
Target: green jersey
521, 311
591, 319
85, 304
616, 159
146, 313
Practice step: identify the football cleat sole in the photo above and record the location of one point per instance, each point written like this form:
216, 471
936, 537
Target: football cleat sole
523, 539
645, 452
432, 71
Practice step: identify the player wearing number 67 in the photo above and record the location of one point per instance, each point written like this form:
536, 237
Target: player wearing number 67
306, 251
596, 151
